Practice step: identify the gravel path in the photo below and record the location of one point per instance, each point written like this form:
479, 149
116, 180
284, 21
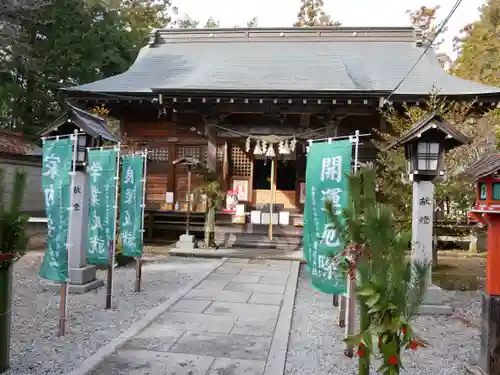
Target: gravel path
316, 347
36, 351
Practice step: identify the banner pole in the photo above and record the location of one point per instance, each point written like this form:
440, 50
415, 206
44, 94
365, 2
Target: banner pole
138, 260
109, 277
112, 245
117, 184
64, 291
351, 286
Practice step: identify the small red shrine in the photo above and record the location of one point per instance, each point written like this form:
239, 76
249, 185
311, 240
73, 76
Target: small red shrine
486, 210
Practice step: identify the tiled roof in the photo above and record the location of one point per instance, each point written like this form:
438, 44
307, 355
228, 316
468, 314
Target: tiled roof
485, 166
454, 137
357, 60
15, 143
91, 124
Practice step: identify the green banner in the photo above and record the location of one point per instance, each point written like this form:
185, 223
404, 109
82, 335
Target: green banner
101, 168
56, 181
131, 194
328, 165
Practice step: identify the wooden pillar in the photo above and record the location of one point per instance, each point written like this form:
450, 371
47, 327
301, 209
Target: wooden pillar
171, 185
211, 132
273, 196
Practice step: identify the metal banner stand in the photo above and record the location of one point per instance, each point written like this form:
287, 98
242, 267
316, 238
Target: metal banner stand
112, 261
112, 243
347, 303
63, 324
138, 260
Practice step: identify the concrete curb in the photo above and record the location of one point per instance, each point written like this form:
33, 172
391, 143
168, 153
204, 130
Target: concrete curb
111, 347
474, 370
275, 364
196, 253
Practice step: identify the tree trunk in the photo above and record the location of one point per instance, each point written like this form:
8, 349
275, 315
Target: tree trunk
210, 227
435, 252
5, 316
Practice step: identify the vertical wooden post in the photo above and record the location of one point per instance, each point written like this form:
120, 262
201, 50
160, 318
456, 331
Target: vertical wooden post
109, 281
273, 193
342, 308
138, 274
61, 326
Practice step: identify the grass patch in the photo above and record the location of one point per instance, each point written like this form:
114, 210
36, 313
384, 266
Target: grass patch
459, 273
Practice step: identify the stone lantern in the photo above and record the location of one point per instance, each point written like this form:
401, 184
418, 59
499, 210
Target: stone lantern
425, 144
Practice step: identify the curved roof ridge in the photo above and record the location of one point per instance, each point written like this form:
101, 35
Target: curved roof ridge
354, 33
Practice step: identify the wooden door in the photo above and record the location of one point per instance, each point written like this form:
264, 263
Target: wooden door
157, 175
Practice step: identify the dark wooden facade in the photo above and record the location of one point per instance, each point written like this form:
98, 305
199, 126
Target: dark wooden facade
216, 134
201, 93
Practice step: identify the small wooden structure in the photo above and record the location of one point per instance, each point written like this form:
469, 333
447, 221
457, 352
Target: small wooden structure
486, 210
189, 163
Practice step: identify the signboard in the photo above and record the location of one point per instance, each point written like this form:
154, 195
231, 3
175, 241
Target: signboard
328, 165
56, 186
240, 189
102, 168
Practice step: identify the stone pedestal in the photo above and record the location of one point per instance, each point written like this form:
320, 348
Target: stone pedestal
422, 228
186, 242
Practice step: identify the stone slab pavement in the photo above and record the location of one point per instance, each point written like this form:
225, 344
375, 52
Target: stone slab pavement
235, 322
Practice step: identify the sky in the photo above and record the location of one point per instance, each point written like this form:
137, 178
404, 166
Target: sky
351, 12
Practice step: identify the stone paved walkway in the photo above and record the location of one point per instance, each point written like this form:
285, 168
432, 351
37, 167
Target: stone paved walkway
236, 321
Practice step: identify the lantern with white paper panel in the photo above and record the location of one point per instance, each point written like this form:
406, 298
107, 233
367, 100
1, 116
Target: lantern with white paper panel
425, 144
84, 141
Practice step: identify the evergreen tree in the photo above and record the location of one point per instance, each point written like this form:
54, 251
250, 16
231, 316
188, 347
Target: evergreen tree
212, 24
61, 43
311, 13
390, 288
479, 47
424, 18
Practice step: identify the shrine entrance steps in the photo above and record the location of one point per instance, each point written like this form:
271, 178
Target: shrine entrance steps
256, 238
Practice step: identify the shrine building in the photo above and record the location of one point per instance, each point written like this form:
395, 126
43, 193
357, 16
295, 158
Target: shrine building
224, 96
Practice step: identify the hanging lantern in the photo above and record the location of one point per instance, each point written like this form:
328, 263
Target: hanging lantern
293, 143
258, 149
270, 151
247, 145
